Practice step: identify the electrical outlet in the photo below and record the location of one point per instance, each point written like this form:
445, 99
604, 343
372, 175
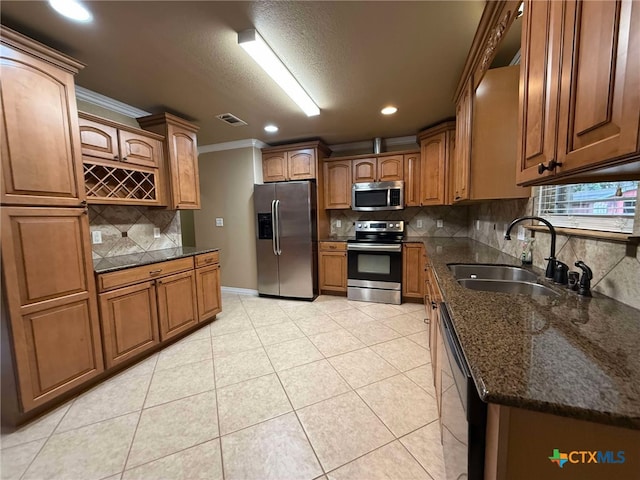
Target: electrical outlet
156, 232
219, 222
521, 233
338, 223
439, 223
96, 237
477, 224
419, 223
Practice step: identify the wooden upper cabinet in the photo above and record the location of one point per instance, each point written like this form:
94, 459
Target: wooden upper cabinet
379, 169
433, 173
579, 97
462, 160
40, 151
274, 167
539, 69
412, 180
106, 140
365, 170
301, 164
182, 181
292, 162
391, 168
337, 184
599, 112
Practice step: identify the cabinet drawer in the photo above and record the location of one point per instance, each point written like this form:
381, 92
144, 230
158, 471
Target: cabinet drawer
333, 246
207, 259
133, 275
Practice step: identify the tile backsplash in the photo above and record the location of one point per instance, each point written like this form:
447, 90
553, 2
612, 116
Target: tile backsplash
454, 221
615, 265
129, 229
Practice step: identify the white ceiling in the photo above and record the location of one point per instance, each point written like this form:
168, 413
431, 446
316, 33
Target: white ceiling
353, 58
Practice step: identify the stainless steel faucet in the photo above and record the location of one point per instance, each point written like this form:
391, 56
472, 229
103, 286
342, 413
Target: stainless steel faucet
551, 263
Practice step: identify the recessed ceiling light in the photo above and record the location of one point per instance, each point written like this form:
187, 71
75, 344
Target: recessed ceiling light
271, 129
388, 110
72, 9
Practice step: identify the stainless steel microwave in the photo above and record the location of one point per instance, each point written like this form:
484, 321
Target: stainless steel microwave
374, 196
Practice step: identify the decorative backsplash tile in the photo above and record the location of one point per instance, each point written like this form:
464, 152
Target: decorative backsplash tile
129, 229
454, 221
615, 265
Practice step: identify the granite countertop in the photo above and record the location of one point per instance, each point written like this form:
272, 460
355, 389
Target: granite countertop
567, 355
112, 264
346, 238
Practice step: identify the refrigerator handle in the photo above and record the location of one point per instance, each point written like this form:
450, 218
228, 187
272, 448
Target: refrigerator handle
278, 226
274, 231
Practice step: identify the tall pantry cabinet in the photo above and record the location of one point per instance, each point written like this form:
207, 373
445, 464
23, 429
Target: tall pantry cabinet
50, 332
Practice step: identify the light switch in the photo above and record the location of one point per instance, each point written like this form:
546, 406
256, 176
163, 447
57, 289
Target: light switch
439, 224
338, 223
419, 223
156, 232
477, 224
96, 237
219, 222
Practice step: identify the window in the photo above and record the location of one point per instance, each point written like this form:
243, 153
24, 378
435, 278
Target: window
608, 206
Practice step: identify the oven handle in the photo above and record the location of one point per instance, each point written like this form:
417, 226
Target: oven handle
373, 247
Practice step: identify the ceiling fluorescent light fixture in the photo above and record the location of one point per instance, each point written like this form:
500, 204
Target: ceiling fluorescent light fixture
255, 46
72, 9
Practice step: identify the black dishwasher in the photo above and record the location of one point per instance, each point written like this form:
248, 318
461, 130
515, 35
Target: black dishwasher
463, 414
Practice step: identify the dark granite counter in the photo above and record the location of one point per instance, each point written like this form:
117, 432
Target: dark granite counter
567, 355
112, 264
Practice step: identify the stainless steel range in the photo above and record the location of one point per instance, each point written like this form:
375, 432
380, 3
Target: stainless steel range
374, 258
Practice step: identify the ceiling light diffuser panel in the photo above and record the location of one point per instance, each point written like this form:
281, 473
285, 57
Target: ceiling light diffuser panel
255, 46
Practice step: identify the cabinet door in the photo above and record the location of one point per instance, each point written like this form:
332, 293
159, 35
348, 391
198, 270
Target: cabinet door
40, 148
274, 167
183, 166
209, 294
412, 180
129, 322
413, 270
98, 141
462, 159
391, 169
333, 271
139, 150
432, 184
541, 40
301, 164
600, 83
337, 187
177, 304
365, 170
50, 295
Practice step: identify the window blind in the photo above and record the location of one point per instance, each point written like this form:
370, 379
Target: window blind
607, 206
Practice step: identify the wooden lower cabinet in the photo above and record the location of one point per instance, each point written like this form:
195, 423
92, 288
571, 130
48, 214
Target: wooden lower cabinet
333, 267
177, 304
413, 264
208, 292
129, 322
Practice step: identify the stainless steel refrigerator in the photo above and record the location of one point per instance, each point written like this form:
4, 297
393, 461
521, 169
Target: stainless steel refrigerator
286, 232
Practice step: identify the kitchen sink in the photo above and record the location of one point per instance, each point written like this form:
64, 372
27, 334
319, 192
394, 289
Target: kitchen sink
491, 272
506, 286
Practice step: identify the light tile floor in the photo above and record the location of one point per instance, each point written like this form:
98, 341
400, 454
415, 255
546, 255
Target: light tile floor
272, 389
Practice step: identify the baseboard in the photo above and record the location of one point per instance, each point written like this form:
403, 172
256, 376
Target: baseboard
240, 291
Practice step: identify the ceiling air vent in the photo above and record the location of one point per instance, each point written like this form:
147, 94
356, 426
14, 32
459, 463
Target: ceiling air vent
231, 119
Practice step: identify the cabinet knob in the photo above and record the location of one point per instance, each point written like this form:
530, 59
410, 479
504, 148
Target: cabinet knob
124, 159
116, 157
83, 203
551, 165
457, 197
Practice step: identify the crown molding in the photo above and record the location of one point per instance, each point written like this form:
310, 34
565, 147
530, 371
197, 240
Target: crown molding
103, 101
348, 147
219, 147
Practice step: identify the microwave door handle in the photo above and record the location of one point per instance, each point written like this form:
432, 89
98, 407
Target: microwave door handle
278, 224
273, 227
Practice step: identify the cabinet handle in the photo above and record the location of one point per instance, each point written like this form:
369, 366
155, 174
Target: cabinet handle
457, 198
83, 203
116, 157
433, 305
551, 165
332, 247
124, 159
155, 272
158, 282
209, 260
85, 211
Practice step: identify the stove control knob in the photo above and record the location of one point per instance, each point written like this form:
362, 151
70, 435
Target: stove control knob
359, 225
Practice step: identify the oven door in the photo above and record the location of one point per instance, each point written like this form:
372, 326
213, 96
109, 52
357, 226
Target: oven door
374, 265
